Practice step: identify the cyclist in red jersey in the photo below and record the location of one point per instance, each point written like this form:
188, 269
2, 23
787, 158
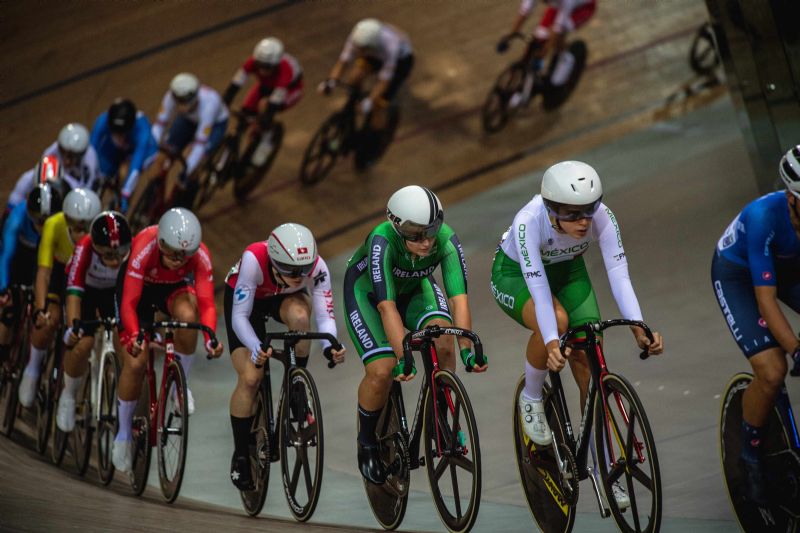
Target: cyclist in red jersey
155, 279
279, 84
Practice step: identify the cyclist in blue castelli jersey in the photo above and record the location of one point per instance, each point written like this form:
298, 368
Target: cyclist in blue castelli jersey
123, 134
756, 263
21, 235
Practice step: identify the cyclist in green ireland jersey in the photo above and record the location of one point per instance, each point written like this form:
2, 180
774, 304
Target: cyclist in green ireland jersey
388, 287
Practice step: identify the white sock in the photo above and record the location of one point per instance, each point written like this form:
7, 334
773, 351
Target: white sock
186, 362
534, 382
563, 68
35, 361
71, 386
125, 419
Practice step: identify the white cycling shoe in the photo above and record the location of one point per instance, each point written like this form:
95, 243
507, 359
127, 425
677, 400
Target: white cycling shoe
65, 415
534, 421
189, 401
621, 497
27, 389
122, 455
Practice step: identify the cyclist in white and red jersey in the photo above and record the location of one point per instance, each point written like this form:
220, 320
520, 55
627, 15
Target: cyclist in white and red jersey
282, 278
155, 279
91, 285
375, 46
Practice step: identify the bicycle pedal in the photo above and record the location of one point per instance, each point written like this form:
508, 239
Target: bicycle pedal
421, 461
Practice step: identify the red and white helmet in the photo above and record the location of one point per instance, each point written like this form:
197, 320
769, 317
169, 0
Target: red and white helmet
292, 250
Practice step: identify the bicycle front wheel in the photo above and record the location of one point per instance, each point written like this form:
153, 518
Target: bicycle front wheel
452, 452
301, 442
60, 439
173, 432
253, 500
82, 434
626, 456
107, 417
46, 396
11, 374
142, 451
322, 152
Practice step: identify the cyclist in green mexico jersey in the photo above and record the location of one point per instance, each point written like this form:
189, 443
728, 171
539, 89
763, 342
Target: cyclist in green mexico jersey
388, 287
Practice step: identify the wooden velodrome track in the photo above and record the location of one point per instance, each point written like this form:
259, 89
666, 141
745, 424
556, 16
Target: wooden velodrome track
66, 61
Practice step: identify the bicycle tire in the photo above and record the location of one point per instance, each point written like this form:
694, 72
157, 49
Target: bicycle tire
46, 394
140, 431
253, 500
300, 433
629, 407
173, 419
244, 183
107, 417
703, 55
145, 211
328, 143
210, 175
60, 439
538, 470
388, 501
554, 97
455, 451
495, 111
83, 431
12, 375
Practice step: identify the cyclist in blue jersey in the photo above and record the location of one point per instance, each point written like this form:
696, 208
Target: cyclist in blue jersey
757, 263
123, 134
21, 235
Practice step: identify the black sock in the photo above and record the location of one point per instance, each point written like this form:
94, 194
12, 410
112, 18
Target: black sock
5, 349
368, 421
241, 434
302, 362
751, 442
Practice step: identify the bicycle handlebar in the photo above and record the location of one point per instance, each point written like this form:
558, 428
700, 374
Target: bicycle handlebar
414, 338
596, 327
174, 324
297, 336
107, 322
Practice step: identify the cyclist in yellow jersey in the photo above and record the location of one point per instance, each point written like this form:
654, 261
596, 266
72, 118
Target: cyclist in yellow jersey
59, 235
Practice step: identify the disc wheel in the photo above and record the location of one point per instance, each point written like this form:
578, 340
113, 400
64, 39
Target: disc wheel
626, 454
142, 451
172, 438
496, 110
107, 419
539, 472
253, 500
83, 432
452, 452
302, 445
323, 150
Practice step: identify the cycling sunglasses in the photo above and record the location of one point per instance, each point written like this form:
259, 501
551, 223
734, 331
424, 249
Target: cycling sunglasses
78, 225
573, 213
178, 256
293, 271
412, 232
112, 254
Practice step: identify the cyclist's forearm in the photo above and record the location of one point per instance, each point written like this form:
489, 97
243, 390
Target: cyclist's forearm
73, 307
336, 71
379, 89
462, 317
776, 320
393, 326
518, 22
40, 289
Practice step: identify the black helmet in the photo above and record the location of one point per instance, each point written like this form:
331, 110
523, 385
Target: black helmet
43, 201
121, 116
111, 234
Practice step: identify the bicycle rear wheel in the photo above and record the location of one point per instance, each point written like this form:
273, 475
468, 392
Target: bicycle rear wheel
173, 432
539, 473
82, 434
107, 417
323, 150
10, 376
373, 143
554, 97
245, 182
626, 453
302, 445
253, 500
140, 430
496, 110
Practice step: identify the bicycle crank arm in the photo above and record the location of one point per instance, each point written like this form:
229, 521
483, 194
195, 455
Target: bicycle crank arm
602, 503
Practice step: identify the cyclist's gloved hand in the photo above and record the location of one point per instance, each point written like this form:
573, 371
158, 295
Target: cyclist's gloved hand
128, 340
70, 338
366, 105
327, 86
795, 370
213, 349
468, 358
230, 93
397, 372
335, 356
502, 45
5, 298
260, 357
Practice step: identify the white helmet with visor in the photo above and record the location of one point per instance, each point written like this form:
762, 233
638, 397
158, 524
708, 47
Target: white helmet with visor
571, 190
415, 212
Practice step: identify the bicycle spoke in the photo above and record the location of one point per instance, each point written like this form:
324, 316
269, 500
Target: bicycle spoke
456, 497
298, 465
440, 468
307, 475
641, 477
462, 462
634, 507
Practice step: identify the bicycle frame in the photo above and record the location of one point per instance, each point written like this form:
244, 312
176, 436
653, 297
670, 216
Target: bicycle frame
168, 346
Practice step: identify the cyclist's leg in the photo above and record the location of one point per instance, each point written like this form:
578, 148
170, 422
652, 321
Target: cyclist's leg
42, 337
379, 118
429, 307
295, 311
181, 304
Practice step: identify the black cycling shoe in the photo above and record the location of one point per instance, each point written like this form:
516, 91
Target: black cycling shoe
369, 463
755, 489
240, 473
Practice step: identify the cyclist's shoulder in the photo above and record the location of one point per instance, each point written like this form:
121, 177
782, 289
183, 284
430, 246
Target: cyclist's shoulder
383, 231
54, 225
765, 210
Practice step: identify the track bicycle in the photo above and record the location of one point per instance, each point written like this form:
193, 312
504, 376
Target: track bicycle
451, 451
11, 369
95, 405
520, 78
246, 167
624, 449
295, 437
162, 420
154, 200
780, 460
347, 131
47, 389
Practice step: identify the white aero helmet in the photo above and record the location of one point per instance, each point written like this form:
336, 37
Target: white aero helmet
574, 185
292, 250
184, 87
415, 212
367, 33
789, 169
80, 207
179, 231
268, 52
73, 138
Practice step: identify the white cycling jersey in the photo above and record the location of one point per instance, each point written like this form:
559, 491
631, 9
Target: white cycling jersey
86, 176
209, 110
395, 45
533, 242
